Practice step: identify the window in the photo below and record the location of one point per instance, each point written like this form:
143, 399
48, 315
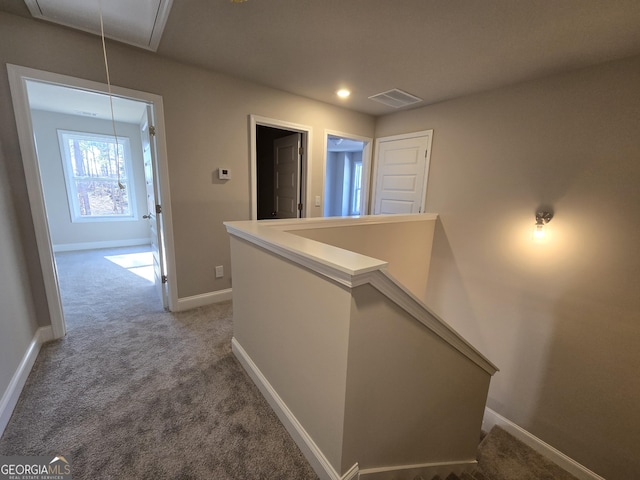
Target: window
91, 176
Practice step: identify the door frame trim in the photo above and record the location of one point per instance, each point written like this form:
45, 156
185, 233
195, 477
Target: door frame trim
403, 136
366, 166
305, 163
18, 76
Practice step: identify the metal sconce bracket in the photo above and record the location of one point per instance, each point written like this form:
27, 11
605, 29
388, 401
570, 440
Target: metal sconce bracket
543, 218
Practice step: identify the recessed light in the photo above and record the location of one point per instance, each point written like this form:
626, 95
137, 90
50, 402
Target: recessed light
343, 93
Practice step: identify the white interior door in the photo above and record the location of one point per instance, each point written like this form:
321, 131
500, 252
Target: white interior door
402, 167
153, 205
286, 157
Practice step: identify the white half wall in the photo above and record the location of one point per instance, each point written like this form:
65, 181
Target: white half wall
406, 246
353, 363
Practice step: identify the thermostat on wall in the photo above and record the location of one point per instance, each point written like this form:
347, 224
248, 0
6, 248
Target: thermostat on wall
224, 174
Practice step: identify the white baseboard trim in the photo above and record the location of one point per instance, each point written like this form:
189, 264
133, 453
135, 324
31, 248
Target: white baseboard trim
579, 471
72, 247
309, 449
14, 389
187, 303
426, 470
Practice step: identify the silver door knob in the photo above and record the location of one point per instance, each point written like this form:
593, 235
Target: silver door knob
146, 216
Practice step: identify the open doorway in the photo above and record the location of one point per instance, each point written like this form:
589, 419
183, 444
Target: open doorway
88, 188
347, 166
277, 159
279, 164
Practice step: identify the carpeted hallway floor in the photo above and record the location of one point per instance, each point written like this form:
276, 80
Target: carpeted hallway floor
133, 392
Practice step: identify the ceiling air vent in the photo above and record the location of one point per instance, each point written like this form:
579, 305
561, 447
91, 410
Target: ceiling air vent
395, 98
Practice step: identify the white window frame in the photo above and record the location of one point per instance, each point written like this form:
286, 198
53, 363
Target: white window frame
72, 196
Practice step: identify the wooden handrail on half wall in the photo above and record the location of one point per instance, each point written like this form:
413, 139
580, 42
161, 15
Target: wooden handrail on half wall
369, 382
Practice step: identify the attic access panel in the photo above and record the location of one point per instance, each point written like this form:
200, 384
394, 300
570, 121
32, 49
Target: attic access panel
138, 23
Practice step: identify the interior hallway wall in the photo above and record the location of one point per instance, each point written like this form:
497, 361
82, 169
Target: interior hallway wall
206, 119
18, 323
561, 319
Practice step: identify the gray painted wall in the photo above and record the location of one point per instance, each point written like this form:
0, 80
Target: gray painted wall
18, 323
561, 319
63, 230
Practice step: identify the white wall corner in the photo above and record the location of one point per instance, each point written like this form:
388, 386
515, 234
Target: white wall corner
14, 389
310, 450
195, 301
579, 471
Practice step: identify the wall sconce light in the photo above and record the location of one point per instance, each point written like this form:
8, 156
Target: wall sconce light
542, 218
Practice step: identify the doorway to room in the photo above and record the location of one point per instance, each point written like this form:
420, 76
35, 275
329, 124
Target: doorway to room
346, 177
278, 169
279, 166
92, 188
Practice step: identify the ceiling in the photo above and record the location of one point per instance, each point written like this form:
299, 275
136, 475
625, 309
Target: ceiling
341, 144
433, 49
73, 101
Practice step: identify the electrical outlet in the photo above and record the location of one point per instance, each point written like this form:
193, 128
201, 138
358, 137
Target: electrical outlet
317, 200
219, 271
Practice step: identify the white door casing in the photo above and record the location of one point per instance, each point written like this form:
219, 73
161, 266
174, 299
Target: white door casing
153, 194
402, 168
18, 78
305, 159
286, 168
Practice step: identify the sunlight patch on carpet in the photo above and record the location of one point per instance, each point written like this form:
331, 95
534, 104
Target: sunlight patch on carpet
140, 264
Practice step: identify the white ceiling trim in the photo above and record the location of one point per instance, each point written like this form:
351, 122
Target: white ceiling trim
140, 24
